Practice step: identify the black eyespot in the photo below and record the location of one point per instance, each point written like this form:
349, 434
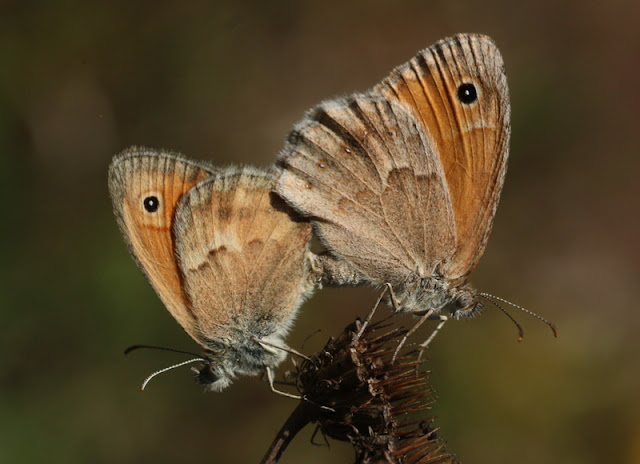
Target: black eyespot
151, 204
467, 93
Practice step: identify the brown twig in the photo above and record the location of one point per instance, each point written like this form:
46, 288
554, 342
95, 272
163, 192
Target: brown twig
298, 419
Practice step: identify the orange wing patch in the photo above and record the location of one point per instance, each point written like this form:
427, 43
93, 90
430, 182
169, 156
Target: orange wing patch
471, 134
145, 189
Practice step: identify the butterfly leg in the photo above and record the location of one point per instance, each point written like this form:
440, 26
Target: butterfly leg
265, 345
276, 391
371, 313
423, 346
417, 325
392, 296
289, 395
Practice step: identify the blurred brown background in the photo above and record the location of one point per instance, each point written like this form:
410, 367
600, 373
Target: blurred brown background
225, 81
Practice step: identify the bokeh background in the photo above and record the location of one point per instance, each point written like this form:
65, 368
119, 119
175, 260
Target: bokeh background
224, 81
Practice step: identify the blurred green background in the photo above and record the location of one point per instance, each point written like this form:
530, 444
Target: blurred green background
224, 81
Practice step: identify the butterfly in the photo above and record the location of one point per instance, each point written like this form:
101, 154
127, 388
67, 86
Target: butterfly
402, 182
224, 254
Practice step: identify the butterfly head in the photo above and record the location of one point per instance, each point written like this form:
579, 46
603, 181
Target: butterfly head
244, 353
463, 303
212, 376
442, 296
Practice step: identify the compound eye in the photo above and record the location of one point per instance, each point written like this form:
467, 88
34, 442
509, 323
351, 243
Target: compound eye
207, 375
465, 301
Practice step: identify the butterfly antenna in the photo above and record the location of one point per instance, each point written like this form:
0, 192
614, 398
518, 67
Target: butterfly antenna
148, 379
493, 298
517, 324
162, 348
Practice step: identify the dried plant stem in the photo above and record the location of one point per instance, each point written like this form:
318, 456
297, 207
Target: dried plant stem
299, 418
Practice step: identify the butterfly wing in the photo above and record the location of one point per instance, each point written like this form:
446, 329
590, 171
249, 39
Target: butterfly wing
145, 186
365, 171
242, 257
458, 89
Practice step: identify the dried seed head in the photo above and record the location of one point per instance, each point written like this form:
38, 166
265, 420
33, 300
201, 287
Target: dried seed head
376, 401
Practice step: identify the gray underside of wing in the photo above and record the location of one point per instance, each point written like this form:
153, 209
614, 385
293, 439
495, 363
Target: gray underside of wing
367, 174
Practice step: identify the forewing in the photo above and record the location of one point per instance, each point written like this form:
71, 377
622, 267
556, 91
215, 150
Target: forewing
471, 139
365, 170
242, 256
138, 174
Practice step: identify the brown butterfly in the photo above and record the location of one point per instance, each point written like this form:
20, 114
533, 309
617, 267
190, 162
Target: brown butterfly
402, 182
221, 251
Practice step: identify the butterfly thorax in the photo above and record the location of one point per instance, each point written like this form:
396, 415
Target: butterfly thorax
421, 294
